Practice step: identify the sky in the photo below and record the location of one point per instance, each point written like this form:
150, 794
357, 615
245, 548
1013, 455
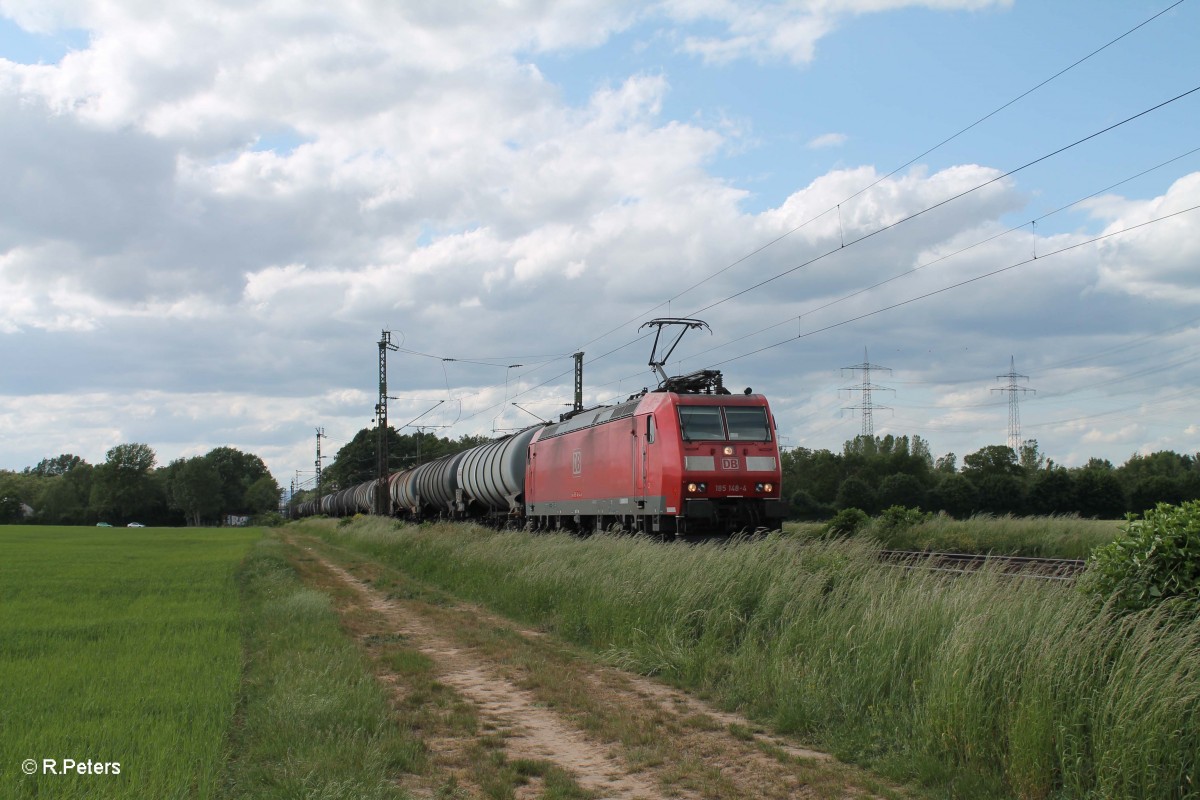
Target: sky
211, 211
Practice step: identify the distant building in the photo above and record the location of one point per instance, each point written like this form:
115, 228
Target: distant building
236, 521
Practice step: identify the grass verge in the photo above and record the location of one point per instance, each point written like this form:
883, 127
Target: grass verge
312, 720
985, 685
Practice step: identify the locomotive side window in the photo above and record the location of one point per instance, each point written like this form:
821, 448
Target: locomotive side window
748, 424
651, 429
701, 422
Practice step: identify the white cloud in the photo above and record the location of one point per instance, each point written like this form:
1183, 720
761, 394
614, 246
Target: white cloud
781, 30
437, 183
1158, 261
826, 140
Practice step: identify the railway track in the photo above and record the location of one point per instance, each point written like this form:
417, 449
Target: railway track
1057, 569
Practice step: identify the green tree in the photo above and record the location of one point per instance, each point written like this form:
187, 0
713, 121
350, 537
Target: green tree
262, 496
999, 493
24, 487
1160, 477
1098, 491
194, 487
122, 487
65, 501
10, 510
1052, 491
995, 459
59, 465
902, 489
856, 493
236, 472
953, 494
817, 473
1031, 458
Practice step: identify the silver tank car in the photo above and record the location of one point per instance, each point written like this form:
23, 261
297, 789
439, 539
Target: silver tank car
492, 476
404, 493
437, 482
364, 497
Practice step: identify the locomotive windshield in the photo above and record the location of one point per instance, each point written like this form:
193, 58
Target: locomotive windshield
701, 422
748, 424
739, 423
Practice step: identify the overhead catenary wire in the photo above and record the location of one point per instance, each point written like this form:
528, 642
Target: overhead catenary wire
535, 367
893, 172
883, 229
798, 318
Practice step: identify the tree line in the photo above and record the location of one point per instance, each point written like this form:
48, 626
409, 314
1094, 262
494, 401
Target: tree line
129, 487
358, 460
876, 472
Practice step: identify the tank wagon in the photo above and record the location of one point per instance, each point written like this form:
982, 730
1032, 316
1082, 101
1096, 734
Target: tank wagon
686, 458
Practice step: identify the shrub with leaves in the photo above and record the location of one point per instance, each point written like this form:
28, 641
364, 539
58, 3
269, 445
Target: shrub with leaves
901, 517
846, 522
1157, 558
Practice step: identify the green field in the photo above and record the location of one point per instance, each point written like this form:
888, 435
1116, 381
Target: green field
121, 646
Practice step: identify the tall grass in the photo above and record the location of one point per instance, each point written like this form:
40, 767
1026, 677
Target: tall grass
118, 645
1063, 536
984, 685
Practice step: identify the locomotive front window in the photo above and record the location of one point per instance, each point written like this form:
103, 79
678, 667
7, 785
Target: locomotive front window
701, 422
748, 424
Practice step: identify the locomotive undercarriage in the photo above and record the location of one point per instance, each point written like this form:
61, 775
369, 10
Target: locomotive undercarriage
717, 517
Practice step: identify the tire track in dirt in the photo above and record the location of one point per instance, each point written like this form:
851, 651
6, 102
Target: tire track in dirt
531, 730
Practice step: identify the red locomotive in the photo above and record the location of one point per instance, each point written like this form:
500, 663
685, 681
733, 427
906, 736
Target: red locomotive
667, 462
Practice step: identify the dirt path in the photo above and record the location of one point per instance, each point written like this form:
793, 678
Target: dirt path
618, 735
531, 730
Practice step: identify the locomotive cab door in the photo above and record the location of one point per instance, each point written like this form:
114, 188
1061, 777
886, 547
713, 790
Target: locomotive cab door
645, 433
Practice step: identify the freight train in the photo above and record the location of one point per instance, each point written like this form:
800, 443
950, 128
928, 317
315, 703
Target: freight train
687, 458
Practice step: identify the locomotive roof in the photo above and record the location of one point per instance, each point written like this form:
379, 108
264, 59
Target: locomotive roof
602, 414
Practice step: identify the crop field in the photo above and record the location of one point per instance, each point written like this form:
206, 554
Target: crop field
122, 648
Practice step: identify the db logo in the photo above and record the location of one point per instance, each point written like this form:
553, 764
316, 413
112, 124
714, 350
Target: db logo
577, 462
729, 463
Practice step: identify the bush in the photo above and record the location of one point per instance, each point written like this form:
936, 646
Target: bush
1157, 558
847, 522
895, 518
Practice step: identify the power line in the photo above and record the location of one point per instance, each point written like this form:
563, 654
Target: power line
938, 205
948, 256
901, 221
926, 295
903, 166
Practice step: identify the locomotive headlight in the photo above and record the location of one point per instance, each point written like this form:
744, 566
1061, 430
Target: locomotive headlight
758, 487
768, 487
692, 487
729, 450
